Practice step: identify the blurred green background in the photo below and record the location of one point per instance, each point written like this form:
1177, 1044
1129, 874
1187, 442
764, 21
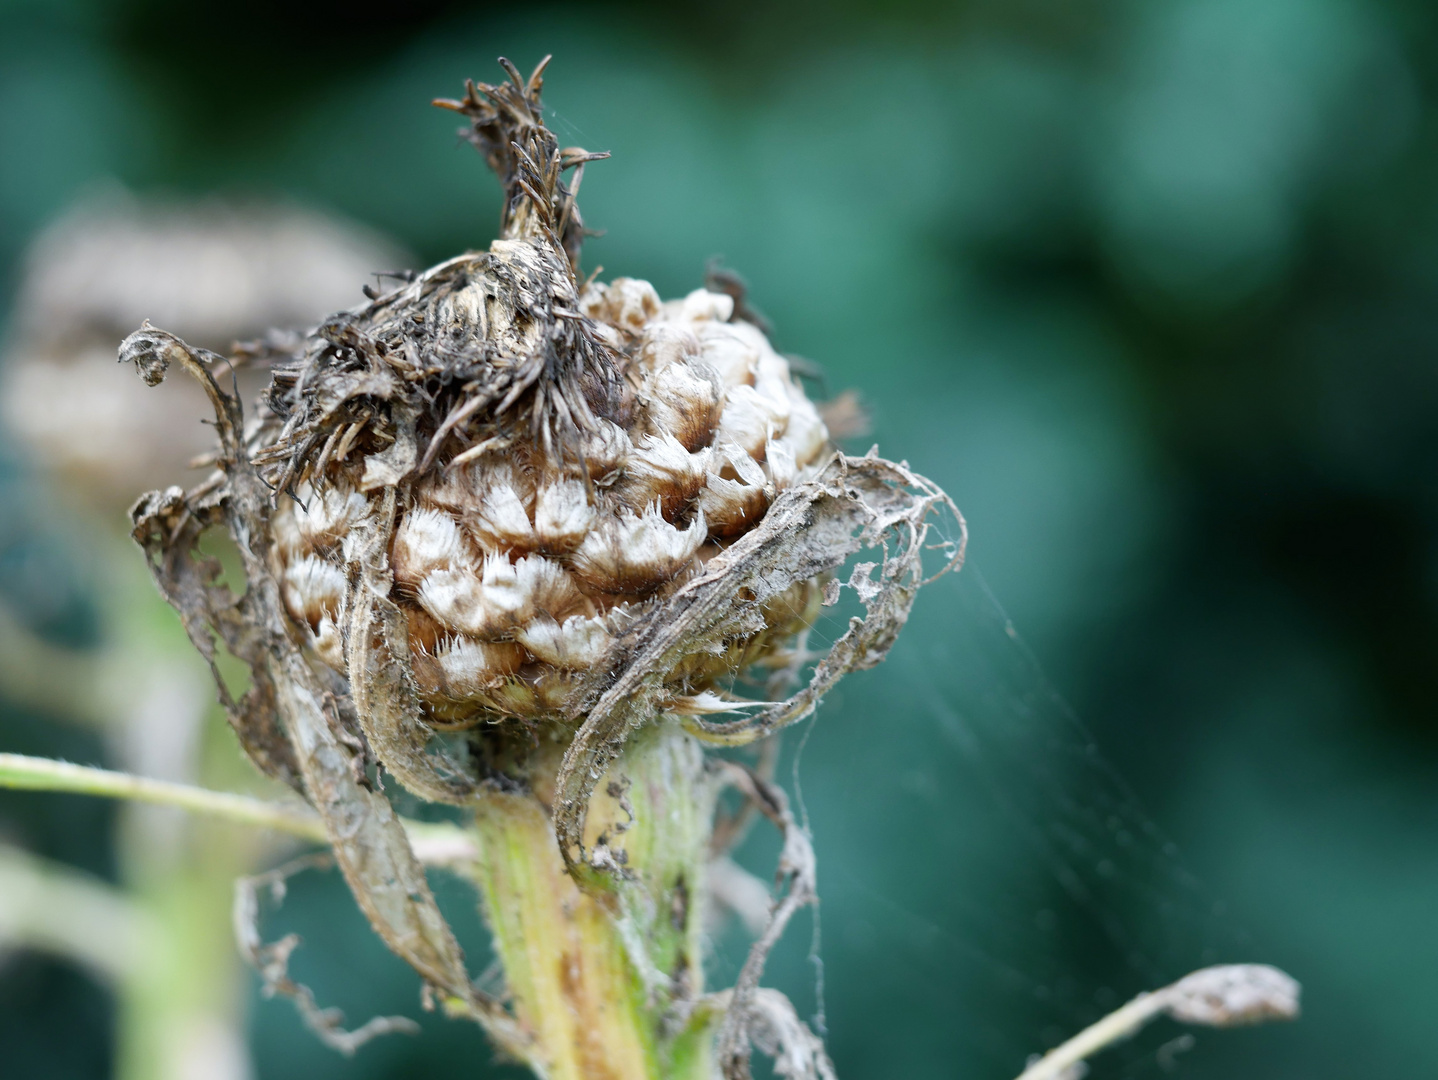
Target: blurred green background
1150, 288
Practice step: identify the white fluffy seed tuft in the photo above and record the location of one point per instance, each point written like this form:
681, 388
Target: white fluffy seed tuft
684, 401
502, 597
634, 553
428, 540
502, 518
313, 588
702, 306
328, 518
661, 471
749, 420
666, 343
730, 352
471, 668
625, 303
736, 491
562, 516
576, 643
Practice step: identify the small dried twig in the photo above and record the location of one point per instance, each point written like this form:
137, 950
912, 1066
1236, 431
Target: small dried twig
754, 1016
1229, 995
775, 1028
731, 828
732, 889
272, 962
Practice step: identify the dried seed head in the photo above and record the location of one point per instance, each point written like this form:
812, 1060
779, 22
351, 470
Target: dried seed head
427, 541
556, 457
522, 549
497, 495
687, 401
492, 503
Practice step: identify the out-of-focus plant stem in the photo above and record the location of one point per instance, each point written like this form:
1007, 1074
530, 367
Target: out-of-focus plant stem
181, 996
436, 844
47, 677
43, 774
182, 1010
52, 907
1225, 995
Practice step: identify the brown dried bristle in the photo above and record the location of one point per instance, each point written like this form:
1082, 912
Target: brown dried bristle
562, 456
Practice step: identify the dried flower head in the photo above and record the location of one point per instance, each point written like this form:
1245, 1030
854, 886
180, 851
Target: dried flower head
503, 502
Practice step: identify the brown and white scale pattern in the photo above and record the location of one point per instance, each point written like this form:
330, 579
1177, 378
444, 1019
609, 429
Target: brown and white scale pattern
515, 573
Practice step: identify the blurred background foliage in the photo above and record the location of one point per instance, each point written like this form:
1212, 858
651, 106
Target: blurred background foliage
1151, 288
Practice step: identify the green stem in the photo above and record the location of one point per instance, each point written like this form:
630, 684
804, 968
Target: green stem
610, 986
435, 843
44, 774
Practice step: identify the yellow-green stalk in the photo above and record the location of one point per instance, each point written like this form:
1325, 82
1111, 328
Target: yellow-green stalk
595, 976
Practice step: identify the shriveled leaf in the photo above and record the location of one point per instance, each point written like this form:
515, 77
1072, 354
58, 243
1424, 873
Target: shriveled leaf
812, 528
367, 836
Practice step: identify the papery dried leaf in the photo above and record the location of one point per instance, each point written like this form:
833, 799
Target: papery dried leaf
776, 1029
168, 526
368, 838
810, 529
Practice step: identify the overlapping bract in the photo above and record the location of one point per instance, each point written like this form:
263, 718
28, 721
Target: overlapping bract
515, 570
